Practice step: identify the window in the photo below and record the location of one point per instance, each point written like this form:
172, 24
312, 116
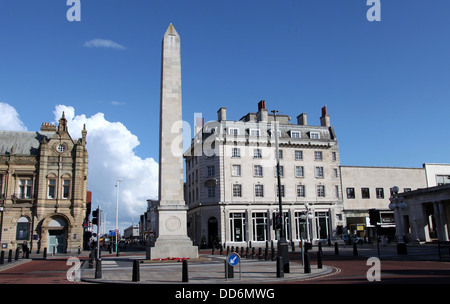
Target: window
211, 170
442, 179
280, 154
301, 191
259, 226
51, 188
237, 190
298, 155
319, 172
320, 191
254, 132
236, 170
257, 153
233, 131
333, 156
314, 135
235, 153
259, 190
257, 170
350, 192
211, 191
335, 171
282, 191
237, 227
299, 171
66, 189
336, 191
379, 192
281, 171
25, 188
295, 134
365, 193
23, 229
318, 155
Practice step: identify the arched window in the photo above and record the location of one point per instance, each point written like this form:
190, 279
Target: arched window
23, 229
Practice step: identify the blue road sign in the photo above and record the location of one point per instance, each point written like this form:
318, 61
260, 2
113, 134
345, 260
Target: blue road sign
233, 259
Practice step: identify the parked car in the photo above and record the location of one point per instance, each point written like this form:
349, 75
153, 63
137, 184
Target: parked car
351, 239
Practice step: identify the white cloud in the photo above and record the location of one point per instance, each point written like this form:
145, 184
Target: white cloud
9, 119
103, 43
110, 147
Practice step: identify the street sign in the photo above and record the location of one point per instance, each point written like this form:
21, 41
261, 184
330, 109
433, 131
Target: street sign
233, 259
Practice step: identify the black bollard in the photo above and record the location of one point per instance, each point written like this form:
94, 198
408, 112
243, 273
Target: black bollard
221, 249
229, 271
212, 251
185, 276
293, 246
320, 246
336, 249
242, 251
355, 249
266, 253
319, 259
27, 254
136, 277
17, 254
228, 250
10, 256
246, 252
307, 266
232, 249
45, 253
280, 267
253, 252
2, 257
259, 253
273, 253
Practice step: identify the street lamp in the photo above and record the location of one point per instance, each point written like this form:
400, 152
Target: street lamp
396, 205
117, 213
283, 249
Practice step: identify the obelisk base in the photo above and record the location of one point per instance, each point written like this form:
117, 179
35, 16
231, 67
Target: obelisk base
172, 241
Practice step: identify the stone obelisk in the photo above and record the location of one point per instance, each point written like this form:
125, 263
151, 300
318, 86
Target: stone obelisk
172, 238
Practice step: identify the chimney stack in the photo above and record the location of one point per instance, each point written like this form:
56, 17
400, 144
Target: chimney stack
262, 114
222, 114
302, 120
325, 119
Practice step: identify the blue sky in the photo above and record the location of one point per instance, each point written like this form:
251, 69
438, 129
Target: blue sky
386, 84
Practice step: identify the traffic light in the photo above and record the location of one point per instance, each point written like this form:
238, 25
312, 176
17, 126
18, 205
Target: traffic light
277, 221
96, 215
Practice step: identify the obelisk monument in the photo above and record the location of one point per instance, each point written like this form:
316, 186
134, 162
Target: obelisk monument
172, 238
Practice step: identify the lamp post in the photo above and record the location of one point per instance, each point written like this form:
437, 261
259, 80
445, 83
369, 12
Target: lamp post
396, 204
283, 249
117, 213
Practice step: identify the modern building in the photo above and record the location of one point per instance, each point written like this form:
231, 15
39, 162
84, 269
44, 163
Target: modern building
43, 188
369, 188
231, 184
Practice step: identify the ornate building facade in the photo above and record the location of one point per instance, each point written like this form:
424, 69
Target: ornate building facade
43, 188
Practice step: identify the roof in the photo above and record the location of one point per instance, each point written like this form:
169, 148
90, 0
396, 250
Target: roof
24, 143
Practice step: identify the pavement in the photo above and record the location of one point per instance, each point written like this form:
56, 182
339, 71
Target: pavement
210, 269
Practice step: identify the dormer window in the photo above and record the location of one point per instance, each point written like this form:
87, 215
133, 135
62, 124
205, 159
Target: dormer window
295, 134
314, 135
